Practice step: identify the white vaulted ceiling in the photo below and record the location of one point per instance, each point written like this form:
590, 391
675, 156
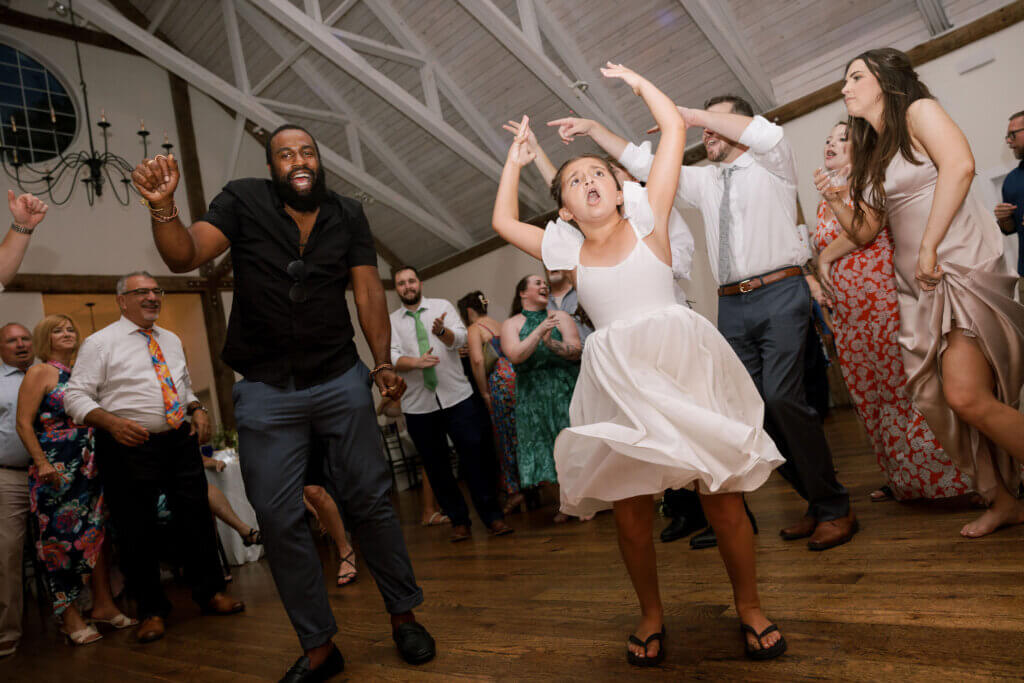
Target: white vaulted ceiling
407, 97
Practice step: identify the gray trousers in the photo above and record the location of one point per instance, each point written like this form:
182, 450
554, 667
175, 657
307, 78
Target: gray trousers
275, 428
767, 328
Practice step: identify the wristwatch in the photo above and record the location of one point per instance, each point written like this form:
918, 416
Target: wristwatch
194, 406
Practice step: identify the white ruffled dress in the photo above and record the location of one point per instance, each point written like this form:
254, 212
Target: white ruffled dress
662, 401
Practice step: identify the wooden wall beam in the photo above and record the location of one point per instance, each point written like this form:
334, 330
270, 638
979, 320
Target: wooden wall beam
45, 283
62, 29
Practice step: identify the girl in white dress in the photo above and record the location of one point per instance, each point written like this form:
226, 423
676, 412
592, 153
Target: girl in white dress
662, 401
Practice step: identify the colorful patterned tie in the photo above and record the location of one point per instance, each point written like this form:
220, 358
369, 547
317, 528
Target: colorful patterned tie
172, 406
429, 374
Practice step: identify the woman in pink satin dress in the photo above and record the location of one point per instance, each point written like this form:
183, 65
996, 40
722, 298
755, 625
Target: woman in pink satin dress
961, 333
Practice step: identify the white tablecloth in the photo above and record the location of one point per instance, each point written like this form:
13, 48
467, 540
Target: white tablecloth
230, 483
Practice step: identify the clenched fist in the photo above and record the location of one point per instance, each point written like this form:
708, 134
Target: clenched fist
27, 210
156, 179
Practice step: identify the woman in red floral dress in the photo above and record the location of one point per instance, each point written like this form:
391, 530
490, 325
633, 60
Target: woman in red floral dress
862, 284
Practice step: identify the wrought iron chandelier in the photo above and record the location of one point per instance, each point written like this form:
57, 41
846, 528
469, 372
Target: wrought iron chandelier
50, 178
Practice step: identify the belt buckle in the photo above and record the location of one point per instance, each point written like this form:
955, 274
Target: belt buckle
746, 286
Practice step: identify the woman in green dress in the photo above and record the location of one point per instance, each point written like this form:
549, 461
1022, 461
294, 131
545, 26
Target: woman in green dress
545, 348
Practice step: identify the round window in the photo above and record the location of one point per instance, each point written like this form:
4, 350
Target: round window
36, 112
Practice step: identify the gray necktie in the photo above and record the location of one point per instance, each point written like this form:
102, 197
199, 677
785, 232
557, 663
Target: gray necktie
724, 227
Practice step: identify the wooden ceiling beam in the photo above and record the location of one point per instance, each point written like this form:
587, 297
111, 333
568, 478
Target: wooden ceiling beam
46, 283
716, 21
62, 29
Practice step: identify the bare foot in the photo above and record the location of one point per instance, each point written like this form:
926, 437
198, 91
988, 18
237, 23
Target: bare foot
647, 627
754, 618
587, 518
999, 515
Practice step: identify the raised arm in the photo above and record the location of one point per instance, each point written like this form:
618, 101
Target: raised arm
569, 128
182, 249
505, 218
372, 310
27, 212
866, 229
540, 160
664, 177
948, 148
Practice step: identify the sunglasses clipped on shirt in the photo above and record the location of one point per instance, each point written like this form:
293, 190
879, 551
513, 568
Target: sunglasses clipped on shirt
297, 272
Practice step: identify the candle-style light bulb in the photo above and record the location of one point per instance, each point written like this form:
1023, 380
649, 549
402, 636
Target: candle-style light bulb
166, 139
103, 115
142, 124
53, 116
14, 126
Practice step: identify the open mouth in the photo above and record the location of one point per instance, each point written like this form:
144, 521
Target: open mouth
830, 154
301, 180
593, 196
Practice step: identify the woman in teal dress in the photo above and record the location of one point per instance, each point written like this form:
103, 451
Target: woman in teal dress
65, 494
544, 346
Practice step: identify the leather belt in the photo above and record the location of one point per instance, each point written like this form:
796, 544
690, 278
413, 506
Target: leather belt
16, 468
756, 282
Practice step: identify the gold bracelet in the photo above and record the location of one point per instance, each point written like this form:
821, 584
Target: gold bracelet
380, 368
164, 219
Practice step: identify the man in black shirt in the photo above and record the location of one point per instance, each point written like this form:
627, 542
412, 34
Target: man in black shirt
295, 246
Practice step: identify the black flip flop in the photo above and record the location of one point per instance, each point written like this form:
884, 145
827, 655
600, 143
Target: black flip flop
763, 652
647, 661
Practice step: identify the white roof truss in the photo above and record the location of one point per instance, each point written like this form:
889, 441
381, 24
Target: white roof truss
718, 24
114, 23
934, 15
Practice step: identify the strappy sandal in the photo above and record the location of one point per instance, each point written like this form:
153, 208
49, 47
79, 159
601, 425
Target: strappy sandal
254, 537
886, 491
348, 577
763, 652
636, 660
436, 519
83, 636
119, 622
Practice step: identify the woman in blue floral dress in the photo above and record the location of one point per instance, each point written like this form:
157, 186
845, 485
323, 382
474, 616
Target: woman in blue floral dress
64, 487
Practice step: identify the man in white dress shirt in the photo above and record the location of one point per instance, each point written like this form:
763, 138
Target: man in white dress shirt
757, 253
131, 383
438, 403
16, 353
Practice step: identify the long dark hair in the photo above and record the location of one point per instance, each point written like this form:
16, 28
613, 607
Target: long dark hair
872, 151
517, 303
475, 301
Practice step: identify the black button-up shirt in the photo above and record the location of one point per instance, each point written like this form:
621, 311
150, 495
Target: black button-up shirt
271, 338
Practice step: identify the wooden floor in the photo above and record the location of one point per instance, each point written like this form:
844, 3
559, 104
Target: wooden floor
908, 599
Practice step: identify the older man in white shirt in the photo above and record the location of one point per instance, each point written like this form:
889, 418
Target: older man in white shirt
438, 403
16, 353
757, 253
131, 382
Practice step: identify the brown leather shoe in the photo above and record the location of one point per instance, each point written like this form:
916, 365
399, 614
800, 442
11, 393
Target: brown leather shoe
222, 605
834, 532
802, 529
460, 533
151, 628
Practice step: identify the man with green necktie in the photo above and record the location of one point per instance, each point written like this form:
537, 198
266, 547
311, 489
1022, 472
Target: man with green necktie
425, 337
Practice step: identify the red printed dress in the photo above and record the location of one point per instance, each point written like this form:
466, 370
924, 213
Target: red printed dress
867, 322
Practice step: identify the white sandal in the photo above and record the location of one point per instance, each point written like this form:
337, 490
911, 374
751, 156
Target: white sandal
82, 636
118, 622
